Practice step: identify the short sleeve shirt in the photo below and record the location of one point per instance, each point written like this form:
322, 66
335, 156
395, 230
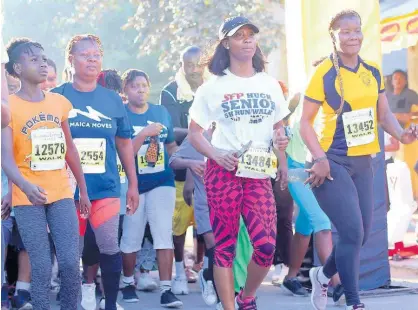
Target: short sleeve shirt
403, 102
97, 118
244, 109
154, 114
362, 86
26, 118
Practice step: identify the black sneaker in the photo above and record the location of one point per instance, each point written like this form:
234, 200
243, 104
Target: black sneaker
169, 300
338, 295
21, 300
129, 294
294, 287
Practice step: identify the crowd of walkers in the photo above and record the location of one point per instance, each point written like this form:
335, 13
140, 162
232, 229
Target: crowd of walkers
92, 171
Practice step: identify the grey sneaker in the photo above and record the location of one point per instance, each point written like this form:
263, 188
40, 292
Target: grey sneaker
319, 295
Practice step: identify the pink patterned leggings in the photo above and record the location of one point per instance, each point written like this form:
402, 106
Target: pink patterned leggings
230, 196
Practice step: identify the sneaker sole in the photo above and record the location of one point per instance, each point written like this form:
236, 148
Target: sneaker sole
175, 304
181, 293
313, 280
26, 307
289, 292
131, 301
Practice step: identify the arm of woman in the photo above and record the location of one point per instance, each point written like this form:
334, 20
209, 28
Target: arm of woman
151, 130
36, 194
281, 156
321, 169
171, 148
126, 155
188, 188
203, 146
73, 160
391, 125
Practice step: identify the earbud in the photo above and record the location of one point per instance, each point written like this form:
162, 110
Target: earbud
227, 46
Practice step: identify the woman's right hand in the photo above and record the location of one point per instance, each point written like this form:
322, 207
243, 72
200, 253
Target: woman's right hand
36, 194
152, 130
227, 160
318, 173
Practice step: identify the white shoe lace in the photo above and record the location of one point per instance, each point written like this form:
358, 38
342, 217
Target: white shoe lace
324, 290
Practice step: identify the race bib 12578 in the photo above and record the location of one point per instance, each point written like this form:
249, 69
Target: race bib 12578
48, 149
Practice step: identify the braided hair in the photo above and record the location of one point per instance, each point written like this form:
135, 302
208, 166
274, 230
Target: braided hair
331, 28
15, 48
83, 37
110, 79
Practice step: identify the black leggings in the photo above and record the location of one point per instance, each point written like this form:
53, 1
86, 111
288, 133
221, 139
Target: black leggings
348, 202
284, 209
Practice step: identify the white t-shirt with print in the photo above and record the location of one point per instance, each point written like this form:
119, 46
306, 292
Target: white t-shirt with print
244, 109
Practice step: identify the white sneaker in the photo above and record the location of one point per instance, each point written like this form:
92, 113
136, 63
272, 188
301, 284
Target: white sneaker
219, 306
88, 296
102, 305
145, 282
179, 286
276, 275
208, 291
319, 295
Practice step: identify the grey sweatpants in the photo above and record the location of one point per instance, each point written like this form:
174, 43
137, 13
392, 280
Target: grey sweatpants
61, 217
348, 202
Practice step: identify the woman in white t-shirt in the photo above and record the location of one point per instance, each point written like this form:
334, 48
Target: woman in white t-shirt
248, 106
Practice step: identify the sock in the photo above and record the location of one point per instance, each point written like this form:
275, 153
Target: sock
208, 273
25, 286
165, 286
128, 280
205, 262
180, 272
324, 280
111, 266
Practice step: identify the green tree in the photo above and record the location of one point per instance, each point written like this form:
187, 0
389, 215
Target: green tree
52, 23
168, 26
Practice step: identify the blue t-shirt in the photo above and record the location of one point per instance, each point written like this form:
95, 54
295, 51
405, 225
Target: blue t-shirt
97, 118
160, 175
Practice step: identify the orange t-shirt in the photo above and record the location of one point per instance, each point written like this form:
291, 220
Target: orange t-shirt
39, 145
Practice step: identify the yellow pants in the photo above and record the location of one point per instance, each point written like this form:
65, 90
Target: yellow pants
183, 216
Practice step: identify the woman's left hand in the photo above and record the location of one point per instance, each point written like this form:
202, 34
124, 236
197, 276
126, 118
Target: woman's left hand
282, 176
410, 134
85, 205
280, 142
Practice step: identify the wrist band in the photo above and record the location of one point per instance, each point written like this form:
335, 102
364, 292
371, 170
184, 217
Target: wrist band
319, 159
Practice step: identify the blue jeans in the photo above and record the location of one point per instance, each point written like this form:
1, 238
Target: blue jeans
311, 218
